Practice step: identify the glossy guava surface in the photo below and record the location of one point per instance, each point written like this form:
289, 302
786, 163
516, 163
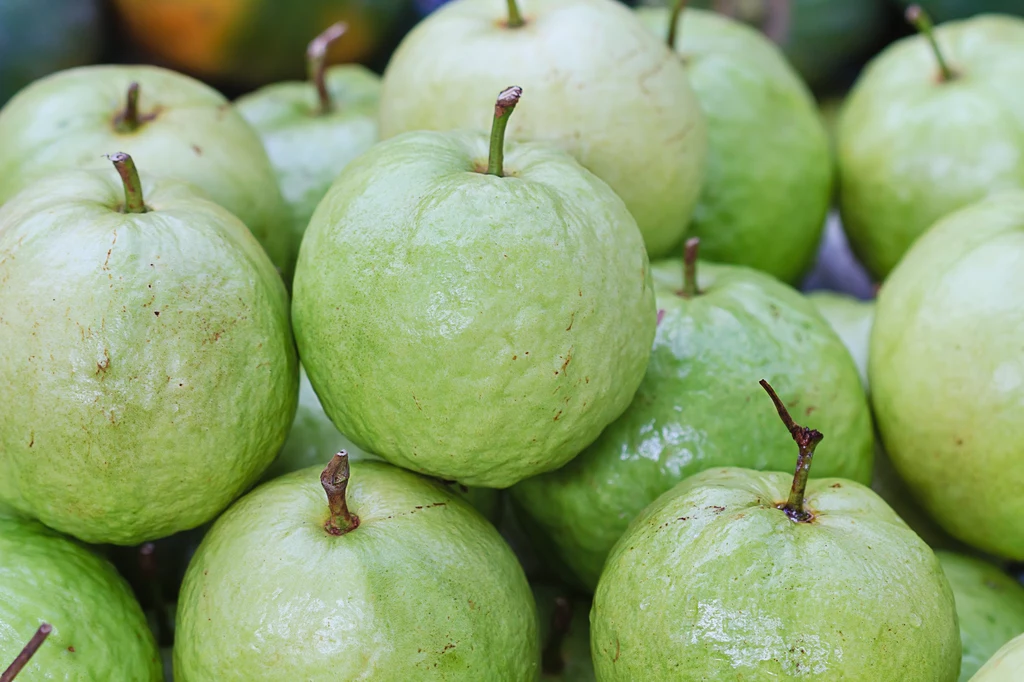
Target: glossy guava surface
596, 83
476, 328
148, 375
715, 582
947, 373
700, 406
188, 132
913, 147
99, 632
423, 589
768, 181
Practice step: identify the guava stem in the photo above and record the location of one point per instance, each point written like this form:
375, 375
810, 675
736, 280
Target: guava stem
22, 659
552, 660
807, 440
316, 63
133, 201
515, 17
920, 20
690, 251
128, 120
507, 101
334, 479
673, 26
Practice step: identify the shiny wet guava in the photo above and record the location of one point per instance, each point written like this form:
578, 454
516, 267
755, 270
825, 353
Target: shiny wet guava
1006, 665
947, 373
598, 84
989, 605
913, 148
422, 589
851, 318
187, 131
768, 181
475, 328
149, 374
740, 574
699, 406
308, 149
564, 634
99, 632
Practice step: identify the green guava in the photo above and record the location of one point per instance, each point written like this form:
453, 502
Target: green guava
768, 181
98, 630
309, 139
149, 374
851, 318
475, 326
913, 146
171, 124
989, 606
698, 408
564, 635
394, 579
1006, 665
738, 574
599, 85
947, 373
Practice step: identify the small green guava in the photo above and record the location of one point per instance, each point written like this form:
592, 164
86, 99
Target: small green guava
947, 373
149, 374
737, 574
600, 85
989, 606
395, 578
169, 123
312, 130
94, 630
768, 181
929, 128
476, 316
697, 409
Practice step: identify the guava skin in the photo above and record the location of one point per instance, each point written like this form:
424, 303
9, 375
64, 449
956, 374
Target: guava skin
989, 606
851, 318
307, 149
475, 328
423, 589
768, 180
67, 121
743, 327
913, 148
947, 374
99, 631
596, 84
149, 373
714, 582
1006, 665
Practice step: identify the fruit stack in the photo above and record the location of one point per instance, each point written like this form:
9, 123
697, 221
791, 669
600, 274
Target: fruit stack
493, 368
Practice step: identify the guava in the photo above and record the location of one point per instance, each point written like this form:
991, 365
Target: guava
989, 606
476, 316
172, 125
851, 318
149, 374
768, 180
312, 130
394, 578
930, 128
1006, 665
740, 574
599, 85
698, 406
947, 373
95, 630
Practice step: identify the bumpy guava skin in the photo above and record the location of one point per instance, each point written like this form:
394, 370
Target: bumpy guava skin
398, 580
476, 327
98, 630
149, 374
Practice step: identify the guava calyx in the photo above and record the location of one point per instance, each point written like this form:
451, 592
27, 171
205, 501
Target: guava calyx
26, 654
807, 440
334, 479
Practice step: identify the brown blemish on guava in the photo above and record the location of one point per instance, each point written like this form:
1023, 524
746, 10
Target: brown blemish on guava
809, 410
717, 509
157, 313
618, 650
568, 359
558, 415
959, 441
836, 485
572, 319
197, 150
103, 364
31, 438
514, 357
